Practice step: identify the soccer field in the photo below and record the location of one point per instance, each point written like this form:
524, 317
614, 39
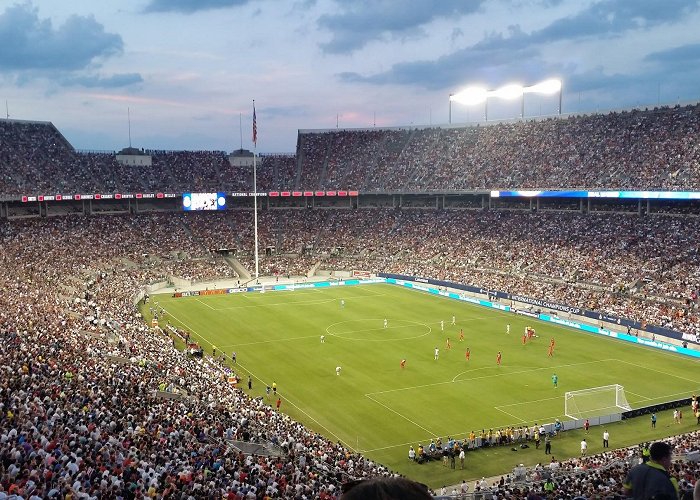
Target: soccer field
376, 407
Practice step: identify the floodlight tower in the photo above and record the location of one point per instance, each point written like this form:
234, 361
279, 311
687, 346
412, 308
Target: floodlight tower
477, 95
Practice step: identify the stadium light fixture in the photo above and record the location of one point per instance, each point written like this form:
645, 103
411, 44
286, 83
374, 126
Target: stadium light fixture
477, 95
508, 92
469, 97
551, 86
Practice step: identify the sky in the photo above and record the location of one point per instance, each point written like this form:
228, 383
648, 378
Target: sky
183, 74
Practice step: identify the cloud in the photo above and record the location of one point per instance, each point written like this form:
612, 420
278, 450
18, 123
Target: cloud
363, 21
30, 43
685, 55
515, 54
92, 81
32, 48
608, 18
191, 6
473, 64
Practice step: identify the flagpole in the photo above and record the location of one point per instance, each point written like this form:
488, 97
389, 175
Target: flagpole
255, 190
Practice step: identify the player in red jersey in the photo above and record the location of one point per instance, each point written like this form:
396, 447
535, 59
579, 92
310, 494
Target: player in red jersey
550, 351
498, 358
403, 363
447, 344
468, 353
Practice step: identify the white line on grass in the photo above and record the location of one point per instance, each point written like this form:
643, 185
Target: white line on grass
638, 395
274, 340
205, 304
401, 415
510, 414
292, 403
659, 371
188, 327
289, 401
529, 370
299, 303
472, 370
529, 402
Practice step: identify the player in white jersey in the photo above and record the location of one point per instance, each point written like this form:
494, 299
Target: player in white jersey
437, 353
386, 323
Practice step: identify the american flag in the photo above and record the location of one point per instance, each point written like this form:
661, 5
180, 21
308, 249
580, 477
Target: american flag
255, 127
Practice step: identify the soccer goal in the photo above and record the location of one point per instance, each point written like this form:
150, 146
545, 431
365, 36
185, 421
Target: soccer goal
595, 402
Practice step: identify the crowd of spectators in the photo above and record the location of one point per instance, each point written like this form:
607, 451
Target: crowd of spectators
78, 414
597, 476
642, 268
649, 149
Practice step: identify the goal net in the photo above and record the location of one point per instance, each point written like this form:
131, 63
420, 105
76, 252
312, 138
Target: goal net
595, 402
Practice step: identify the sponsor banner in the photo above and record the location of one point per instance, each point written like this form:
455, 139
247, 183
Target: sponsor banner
525, 313
691, 337
361, 274
445, 293
546, 304
220, 291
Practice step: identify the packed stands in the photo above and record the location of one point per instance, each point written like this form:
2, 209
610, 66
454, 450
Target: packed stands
79, 413
650, 149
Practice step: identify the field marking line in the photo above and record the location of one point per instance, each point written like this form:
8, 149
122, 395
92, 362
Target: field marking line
299, 303
401, 415
274, 340
291, 402
492, 376
510, 414
638, 395
410, 323
340, 335
667, 396
529, 402
659, 371
454, 379
188, 327
205, 304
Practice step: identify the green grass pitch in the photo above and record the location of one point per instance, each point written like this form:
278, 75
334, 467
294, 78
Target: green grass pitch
376, 407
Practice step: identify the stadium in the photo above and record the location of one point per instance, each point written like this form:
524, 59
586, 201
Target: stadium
335, 250
144, 356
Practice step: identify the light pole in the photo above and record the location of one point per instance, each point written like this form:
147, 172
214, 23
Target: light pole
449, 115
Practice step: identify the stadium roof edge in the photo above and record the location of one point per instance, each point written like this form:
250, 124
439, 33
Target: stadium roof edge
490, 123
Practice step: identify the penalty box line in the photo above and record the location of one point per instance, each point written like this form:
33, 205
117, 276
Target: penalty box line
471, 379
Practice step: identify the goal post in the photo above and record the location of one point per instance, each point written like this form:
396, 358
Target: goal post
595, 401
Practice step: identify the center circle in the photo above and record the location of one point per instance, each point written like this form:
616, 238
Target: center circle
373, 330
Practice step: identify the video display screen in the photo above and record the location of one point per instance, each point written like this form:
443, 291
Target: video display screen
204, 201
